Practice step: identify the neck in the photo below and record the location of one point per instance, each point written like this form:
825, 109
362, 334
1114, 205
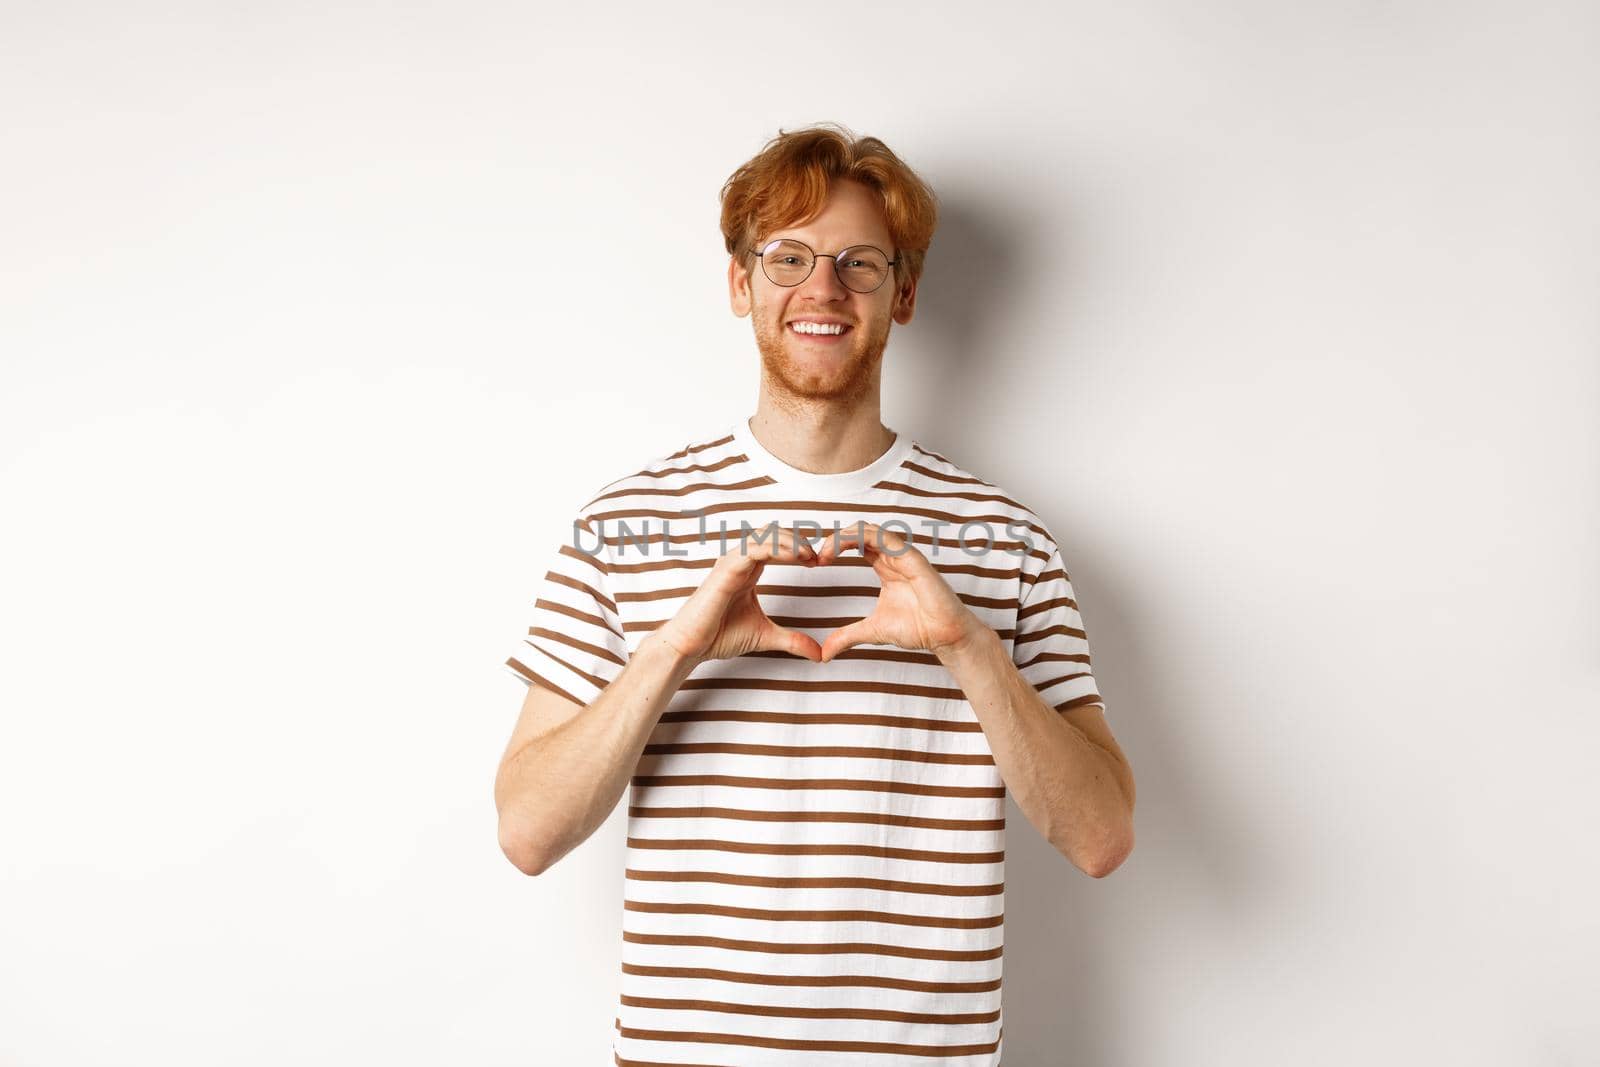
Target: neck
818, 437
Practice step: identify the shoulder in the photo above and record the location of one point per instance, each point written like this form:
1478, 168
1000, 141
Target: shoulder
951, 487
708, 462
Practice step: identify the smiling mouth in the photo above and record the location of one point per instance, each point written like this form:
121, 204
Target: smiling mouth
819, 332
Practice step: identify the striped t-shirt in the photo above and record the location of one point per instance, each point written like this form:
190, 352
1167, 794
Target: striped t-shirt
816, 851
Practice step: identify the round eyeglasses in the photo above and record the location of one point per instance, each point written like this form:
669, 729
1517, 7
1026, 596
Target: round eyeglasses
860, 268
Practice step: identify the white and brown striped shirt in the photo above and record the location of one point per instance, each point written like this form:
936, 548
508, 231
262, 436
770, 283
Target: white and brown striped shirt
816, 851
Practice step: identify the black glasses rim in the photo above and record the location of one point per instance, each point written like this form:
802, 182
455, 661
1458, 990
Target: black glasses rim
760, 253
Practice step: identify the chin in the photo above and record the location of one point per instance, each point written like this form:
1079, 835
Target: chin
802, 375
817, 375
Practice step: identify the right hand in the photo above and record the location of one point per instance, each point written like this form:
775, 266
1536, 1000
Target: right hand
722, 619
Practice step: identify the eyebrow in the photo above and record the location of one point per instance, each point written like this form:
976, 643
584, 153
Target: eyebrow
790, 237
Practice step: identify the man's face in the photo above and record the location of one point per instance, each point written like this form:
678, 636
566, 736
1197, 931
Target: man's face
819, 366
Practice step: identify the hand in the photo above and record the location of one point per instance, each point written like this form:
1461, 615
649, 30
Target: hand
722, 619
916, 607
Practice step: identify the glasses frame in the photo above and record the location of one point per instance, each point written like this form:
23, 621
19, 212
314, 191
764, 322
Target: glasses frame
817, 257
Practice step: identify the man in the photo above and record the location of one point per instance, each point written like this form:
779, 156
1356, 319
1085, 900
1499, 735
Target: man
819, 712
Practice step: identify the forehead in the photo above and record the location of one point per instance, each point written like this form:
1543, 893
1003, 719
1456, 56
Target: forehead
851, 215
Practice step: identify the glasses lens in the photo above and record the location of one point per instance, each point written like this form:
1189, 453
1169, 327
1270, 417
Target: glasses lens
862, 268
786, 262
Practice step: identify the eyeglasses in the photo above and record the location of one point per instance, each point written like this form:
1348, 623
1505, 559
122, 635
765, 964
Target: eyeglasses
860, 268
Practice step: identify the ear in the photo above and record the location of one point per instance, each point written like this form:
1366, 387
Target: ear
905, 302
739, 296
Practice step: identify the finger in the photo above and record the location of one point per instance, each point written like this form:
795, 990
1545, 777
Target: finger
778, 639
872, 539
753, 552
806, 533
856, 633
895, 559
785, 544
805, 551
887, 542
840, 541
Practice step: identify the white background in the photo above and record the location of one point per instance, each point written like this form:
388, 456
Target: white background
317, 322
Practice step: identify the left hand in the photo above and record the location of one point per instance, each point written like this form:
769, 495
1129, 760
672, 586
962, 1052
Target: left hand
916, 607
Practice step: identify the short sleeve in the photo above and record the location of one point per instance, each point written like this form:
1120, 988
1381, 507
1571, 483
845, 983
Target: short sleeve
1051, 646
574, 644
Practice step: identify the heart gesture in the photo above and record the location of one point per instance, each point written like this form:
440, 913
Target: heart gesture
916, 607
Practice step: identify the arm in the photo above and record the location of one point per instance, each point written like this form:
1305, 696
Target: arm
1069, 776
566, 764
565, 767
1067, 772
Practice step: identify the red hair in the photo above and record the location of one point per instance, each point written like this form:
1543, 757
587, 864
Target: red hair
788, 181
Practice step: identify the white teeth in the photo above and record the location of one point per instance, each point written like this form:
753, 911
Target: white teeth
817, 327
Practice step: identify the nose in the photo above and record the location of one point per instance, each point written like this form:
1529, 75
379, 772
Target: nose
823, 282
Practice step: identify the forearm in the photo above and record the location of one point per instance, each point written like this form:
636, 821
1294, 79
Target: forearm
562, 786
1063, 782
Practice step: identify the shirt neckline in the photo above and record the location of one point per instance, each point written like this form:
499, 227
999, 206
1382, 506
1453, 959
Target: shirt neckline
854, 481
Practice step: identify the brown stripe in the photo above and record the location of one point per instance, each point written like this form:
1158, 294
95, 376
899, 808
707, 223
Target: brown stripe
995, 498
535, 676
594, 680
780, 1011
808, 1047
875, 818
1064, 657
796, 1044
690, 450
594, 559
689, 468
1045, 576
914, 788
1046, 605
696, 487
1068, 631
763, 849
670, 593
1077, 702
903, 722
572, 642
816, 948
953, 479
707, 562
943, 922
1041, 686
828, 981
795, 685
672, 564
813, 591
965, 759
836, 621
890, 655
574, 613
887, 885
581, 587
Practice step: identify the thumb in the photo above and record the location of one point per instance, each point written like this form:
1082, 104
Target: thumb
858, 632
777, 639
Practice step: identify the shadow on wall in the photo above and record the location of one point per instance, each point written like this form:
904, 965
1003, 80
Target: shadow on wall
1069, 936
974, 272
